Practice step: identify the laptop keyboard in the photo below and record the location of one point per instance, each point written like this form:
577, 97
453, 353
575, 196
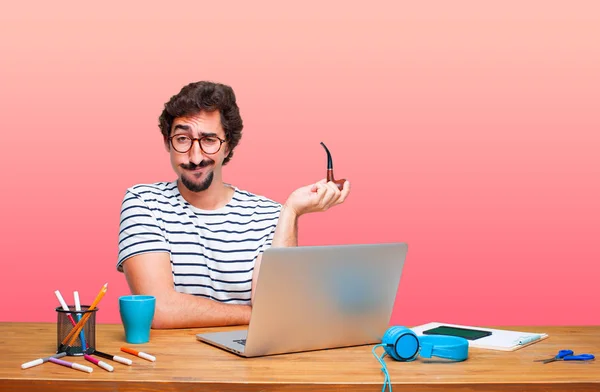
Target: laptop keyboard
241, 341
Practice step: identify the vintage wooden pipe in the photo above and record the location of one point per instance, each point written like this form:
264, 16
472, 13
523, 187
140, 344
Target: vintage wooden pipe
339, 183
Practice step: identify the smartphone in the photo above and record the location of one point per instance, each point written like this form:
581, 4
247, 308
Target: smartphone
469, 334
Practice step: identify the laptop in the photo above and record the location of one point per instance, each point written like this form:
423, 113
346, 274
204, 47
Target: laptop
318, 297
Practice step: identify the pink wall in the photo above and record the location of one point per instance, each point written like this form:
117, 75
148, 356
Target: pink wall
468, 130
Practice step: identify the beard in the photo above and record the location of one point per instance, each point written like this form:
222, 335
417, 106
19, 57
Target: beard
195, 186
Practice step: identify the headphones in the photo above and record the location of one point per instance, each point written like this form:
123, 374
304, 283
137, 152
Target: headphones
404, 345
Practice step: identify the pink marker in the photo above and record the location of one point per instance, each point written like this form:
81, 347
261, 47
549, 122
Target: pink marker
103, 365
63, 304
71, 365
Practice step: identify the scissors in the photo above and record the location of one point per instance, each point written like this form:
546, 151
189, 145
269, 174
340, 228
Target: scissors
567, 355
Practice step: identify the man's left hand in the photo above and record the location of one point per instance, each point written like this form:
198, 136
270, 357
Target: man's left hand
317, 197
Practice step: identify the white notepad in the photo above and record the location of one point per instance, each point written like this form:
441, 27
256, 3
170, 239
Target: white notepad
500, 339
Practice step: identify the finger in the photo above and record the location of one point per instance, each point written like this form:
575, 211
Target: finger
336, 192
321, 190
344, 192
314, 187
328, 197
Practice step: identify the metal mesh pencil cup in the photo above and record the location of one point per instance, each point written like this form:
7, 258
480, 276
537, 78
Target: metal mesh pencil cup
64, 326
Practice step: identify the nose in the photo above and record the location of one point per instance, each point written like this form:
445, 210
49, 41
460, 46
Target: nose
195, 153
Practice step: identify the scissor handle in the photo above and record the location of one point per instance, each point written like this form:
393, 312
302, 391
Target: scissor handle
564, 353
580, 357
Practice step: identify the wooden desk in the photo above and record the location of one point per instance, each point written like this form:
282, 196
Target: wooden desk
184, 364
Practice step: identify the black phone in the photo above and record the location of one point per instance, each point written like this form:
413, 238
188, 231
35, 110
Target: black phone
469, 334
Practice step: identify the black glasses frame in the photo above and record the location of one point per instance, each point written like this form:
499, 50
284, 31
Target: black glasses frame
193, 139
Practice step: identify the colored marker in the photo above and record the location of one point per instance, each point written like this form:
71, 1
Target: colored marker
39, 361
139, 353
115, 358
63, 304
103, 365
71, 365
78, 308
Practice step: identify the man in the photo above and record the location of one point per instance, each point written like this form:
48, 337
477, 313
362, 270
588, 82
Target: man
196, 243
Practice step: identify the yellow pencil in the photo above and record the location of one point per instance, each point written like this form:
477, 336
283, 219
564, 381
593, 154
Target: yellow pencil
70, 338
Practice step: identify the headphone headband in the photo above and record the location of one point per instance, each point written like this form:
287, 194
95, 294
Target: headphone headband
449, 347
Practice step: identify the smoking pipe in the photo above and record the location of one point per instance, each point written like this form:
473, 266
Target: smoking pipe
339, 183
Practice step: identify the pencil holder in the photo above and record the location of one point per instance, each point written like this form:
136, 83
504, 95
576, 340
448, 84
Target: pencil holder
85, 342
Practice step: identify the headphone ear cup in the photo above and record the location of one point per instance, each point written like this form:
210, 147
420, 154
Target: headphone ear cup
388, 342
401, 343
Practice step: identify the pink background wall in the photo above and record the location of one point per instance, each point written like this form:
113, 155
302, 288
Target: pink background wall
468, 130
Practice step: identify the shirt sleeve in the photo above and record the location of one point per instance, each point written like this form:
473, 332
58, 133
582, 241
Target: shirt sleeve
269, 241
139, 230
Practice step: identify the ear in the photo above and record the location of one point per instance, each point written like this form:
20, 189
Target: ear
167, 144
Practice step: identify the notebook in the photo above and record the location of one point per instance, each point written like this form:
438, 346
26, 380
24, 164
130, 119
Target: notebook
500, 339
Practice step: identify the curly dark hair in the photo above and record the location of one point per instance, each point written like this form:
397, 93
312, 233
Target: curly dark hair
207, 96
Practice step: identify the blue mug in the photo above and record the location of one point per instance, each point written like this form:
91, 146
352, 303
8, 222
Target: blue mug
137, 312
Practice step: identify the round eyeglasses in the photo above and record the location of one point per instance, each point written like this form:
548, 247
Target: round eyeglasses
208, 144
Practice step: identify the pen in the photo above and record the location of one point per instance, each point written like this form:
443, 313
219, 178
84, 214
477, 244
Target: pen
115, 358
102, 364
528, 339
71, 365
39, 361
139, 353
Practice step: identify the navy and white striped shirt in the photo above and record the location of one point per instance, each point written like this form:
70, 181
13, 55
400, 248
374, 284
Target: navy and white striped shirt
212, 252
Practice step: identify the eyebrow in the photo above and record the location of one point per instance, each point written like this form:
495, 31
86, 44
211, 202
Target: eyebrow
187, 128
181, 126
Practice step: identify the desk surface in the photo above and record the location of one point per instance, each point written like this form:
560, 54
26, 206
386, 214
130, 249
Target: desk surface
184, 364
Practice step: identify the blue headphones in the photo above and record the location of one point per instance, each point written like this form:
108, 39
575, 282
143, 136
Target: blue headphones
404, 345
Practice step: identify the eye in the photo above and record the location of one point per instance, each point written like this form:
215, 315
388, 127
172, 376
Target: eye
182, 139
210, 140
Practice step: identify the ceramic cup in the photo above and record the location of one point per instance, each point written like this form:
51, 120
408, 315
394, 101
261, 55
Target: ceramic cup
137, 312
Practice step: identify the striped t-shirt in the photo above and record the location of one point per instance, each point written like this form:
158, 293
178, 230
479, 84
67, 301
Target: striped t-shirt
212, 252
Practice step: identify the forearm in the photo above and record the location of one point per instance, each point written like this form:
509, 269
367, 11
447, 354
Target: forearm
174, 309
286, 235
286, 232
179, 310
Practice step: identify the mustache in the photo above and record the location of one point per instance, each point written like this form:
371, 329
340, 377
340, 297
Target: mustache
193, 166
